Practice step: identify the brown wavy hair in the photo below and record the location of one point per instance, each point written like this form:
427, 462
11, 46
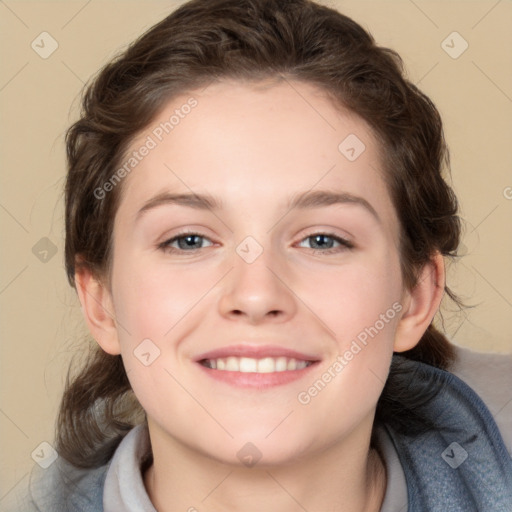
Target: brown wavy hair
249, 40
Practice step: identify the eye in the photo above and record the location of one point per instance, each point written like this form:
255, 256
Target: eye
184, 242
190, 242
327, 243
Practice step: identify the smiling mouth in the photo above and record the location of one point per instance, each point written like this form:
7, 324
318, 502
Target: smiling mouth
253, 365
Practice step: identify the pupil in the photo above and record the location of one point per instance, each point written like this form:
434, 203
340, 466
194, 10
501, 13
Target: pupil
189, 240
320, 238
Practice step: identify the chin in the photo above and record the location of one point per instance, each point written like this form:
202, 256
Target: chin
256, 451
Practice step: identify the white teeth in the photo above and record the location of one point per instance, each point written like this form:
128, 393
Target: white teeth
266, 365
281, 364
232, 364
251, 365
248, 365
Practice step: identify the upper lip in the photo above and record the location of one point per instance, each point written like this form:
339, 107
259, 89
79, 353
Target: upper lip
255, 352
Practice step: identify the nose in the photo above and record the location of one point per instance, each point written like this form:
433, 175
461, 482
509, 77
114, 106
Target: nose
258, 291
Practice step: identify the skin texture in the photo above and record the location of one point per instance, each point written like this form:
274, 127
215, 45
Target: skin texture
255, 147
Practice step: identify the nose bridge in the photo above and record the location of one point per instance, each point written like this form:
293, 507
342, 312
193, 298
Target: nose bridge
253, 262
255, 288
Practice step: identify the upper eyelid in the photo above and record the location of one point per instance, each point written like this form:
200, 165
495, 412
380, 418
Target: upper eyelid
173, 238
339, 238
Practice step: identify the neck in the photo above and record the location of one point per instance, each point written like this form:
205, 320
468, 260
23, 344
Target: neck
341, 479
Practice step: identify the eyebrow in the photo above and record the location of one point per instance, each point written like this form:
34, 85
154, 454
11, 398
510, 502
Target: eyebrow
305, 200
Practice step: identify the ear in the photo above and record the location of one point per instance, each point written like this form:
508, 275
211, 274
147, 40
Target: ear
420, 305
98, 310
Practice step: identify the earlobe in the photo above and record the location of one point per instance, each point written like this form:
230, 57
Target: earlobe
98, 310
421, 304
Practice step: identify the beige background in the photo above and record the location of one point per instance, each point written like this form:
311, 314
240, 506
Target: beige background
41, 321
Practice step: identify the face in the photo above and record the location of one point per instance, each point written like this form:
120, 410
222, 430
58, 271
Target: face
256, 278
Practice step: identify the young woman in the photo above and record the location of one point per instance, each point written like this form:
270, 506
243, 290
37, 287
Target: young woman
256, 227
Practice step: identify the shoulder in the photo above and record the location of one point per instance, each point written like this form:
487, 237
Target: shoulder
466, 414
490, 376
61, 487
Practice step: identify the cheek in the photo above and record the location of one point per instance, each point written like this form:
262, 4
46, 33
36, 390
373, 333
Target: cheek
361, 312
157, 306
359, 305
352, 298
152, 300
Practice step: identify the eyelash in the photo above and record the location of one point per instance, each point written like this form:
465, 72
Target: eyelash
344, 244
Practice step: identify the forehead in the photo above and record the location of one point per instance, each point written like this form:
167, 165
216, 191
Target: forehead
250, 144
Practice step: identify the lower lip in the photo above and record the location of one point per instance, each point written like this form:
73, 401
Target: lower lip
257, 380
